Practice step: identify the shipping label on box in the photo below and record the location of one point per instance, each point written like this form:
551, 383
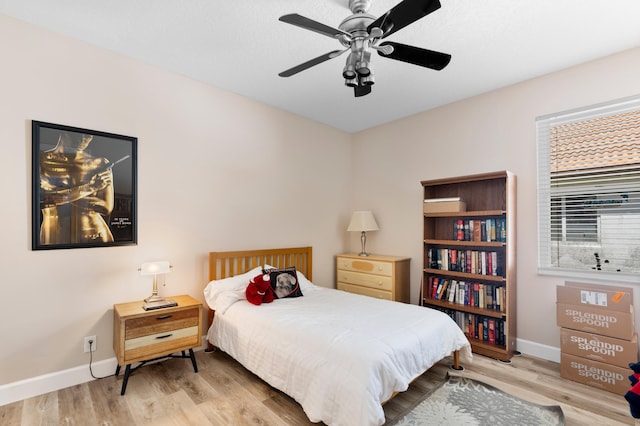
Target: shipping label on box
593, 373
600, 348
595, 320
600, 287
603, 297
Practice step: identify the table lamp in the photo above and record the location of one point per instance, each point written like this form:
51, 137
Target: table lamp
155, 269
363, 221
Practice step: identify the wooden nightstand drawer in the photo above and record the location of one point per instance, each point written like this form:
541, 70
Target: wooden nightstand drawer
378, 282
366, 266
365, 291
161, 322
167, 341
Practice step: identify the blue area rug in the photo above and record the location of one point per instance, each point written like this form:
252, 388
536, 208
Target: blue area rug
460, 401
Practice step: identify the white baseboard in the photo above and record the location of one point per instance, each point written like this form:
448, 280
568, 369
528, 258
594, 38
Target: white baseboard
34, 386
16, 391
538, 350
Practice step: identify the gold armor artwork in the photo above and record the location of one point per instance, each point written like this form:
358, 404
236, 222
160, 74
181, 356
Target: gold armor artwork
76, 193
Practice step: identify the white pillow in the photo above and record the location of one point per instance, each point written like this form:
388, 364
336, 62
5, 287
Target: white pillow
220, 294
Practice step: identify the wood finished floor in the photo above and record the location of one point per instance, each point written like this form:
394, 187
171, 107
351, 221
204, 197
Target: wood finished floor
224, 393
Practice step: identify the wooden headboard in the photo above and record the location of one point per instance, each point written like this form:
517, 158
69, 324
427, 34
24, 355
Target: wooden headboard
224, 264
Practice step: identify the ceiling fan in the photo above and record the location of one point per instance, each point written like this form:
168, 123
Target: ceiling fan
361, 32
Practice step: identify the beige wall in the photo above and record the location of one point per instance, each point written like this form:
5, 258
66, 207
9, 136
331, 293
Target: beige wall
494, 131
209, 179
207, 160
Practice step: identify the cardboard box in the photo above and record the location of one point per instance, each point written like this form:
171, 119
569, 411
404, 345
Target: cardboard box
596, 320
599, 348
445, 206
593, 373
608, 298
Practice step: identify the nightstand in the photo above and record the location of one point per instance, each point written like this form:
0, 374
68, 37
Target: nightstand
141, 336
384, 277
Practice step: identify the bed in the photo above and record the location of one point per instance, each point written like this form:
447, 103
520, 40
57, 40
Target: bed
339, 355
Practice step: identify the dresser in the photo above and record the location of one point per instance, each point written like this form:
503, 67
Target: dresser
141, 336
384, 277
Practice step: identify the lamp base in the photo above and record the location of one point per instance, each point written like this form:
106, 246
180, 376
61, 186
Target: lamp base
154, 298
154, 293
363, 241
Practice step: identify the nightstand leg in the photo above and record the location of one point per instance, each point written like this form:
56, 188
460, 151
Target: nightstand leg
117, 370
127, 371
193, 360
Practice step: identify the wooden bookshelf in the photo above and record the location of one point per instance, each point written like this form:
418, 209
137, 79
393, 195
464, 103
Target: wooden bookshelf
472, 254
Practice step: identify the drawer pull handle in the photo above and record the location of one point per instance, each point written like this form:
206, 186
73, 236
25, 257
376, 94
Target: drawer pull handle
164, 317
165, 336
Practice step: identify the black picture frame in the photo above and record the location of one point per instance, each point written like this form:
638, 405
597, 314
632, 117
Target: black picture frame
84, 188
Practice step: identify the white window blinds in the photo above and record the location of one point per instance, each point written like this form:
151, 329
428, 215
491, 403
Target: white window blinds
589, 191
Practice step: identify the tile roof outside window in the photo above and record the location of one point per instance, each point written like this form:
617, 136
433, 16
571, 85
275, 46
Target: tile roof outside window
596, 143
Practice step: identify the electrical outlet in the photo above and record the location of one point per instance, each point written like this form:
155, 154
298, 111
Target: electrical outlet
90, 347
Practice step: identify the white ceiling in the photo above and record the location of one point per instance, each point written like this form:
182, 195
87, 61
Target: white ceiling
240, 46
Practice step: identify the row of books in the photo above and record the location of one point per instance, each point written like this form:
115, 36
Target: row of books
478, 295
469, 261
480, 230
489, 330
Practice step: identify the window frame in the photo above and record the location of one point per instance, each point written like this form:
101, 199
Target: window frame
545, 194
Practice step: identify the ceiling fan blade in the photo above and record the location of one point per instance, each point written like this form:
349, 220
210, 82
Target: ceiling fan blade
404, 13
361, 90
417, 56
310, 63
311, 25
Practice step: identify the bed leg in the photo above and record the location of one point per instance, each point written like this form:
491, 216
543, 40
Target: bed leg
456, 361
210, 316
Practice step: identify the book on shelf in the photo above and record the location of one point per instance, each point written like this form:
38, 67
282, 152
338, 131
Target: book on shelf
443, 290
477, 234
492, 330
474, 294
459, 260
488, 330
485, 230
453, 289
439, 288
459, 230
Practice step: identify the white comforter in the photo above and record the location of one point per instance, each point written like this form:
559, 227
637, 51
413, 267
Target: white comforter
338, 354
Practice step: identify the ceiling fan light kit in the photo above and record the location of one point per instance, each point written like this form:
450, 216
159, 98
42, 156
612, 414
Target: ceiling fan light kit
361, 32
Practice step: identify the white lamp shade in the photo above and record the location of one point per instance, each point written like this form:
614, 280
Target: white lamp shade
154, 268
362, 221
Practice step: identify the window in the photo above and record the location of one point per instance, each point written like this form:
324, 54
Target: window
589, 191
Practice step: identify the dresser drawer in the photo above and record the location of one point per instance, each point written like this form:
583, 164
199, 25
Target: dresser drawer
158, 344
366, 266
384, 277
365, 291
161, 323
378, 282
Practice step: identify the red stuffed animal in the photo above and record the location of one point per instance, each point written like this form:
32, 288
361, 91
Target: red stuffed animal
259, 290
